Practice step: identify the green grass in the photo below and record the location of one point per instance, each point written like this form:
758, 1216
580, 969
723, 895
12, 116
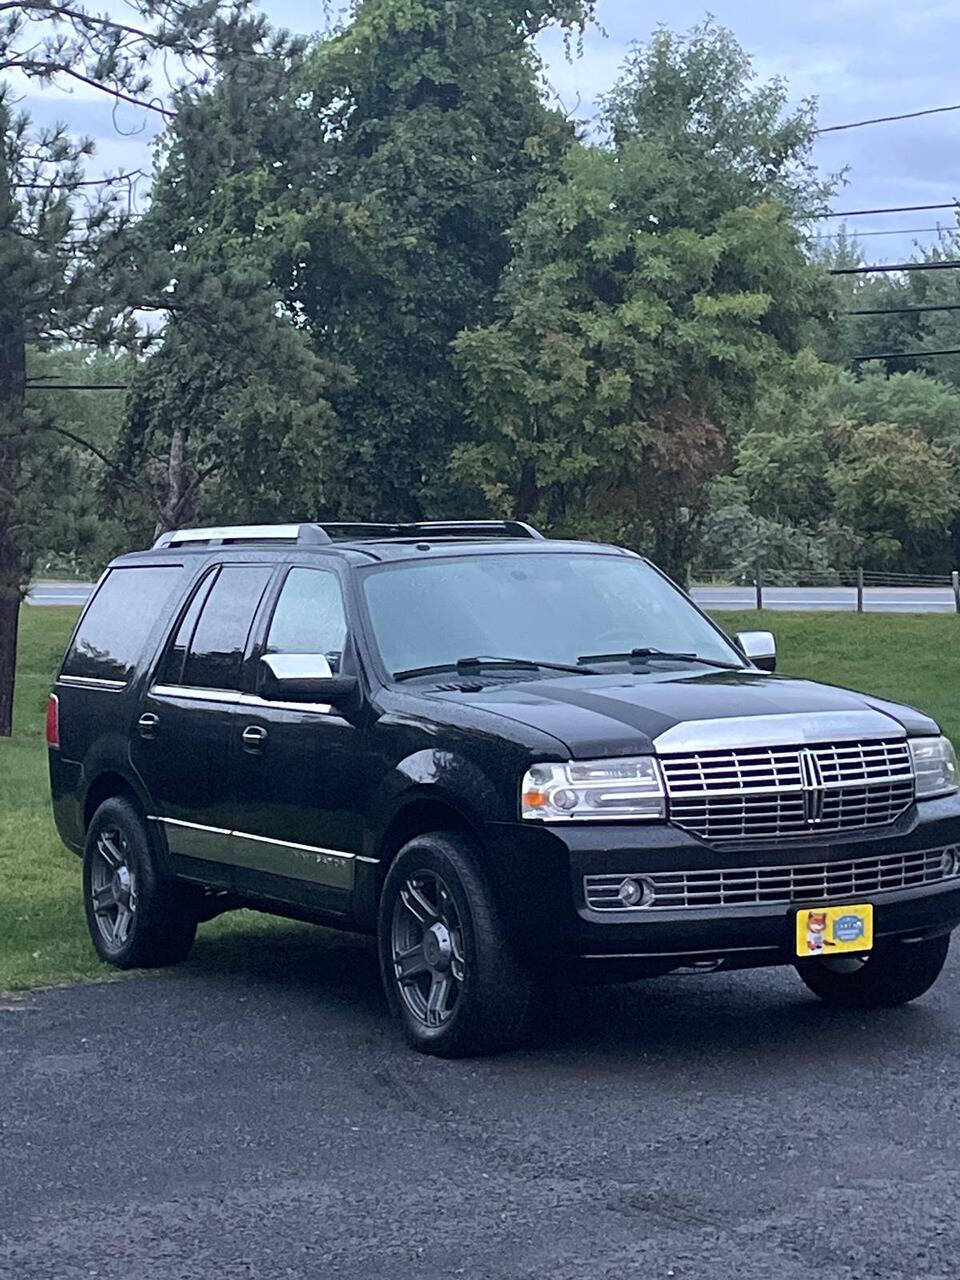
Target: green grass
910, 658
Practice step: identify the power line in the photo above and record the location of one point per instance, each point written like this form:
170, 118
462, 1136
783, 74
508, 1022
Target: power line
893, 231
903, 311
900, 208
947, 265
907, 115
907, 355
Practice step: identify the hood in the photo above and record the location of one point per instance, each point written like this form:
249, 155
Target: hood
624, 714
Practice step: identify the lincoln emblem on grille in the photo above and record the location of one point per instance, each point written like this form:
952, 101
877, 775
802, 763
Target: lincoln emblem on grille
812, 783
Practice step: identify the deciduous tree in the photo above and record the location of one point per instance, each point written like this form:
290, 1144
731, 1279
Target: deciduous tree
654, 287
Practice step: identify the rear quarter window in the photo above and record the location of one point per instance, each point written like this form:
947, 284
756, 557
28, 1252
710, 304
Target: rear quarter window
119, 621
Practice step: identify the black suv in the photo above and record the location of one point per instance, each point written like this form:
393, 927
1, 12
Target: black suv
508, 757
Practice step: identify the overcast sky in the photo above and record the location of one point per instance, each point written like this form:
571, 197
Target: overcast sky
859, 58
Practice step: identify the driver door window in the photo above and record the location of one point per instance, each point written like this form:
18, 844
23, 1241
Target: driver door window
309, 616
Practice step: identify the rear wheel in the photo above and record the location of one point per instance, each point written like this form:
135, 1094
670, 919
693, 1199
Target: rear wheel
893, 973
448, 967
136, 918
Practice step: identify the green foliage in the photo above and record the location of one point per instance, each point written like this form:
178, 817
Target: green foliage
229, 420
78, 534
644, 308
713, 138
899, 492
842, 470
372, 185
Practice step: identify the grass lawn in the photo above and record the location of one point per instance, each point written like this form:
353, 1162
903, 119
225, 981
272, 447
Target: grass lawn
911, 658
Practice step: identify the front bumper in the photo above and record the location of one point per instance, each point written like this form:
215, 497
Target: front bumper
539, 873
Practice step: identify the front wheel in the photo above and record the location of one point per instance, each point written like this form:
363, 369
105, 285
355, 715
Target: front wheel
448, 967
136, 917
892, 974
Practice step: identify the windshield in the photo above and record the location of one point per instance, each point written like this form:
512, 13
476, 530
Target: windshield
544, 607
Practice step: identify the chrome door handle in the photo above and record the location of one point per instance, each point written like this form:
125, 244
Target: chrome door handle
253, 737
147, 724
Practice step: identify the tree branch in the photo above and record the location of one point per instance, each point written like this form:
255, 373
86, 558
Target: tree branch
122, 476
51, 69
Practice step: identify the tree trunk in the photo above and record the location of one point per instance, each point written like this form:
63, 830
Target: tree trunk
14, 562
528, 492
177, 506
9, 625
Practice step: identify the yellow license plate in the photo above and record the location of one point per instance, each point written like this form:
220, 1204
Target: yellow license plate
828, 931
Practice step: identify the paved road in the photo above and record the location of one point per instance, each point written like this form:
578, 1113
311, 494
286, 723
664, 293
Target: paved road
254, 1115
876, 599
75, 593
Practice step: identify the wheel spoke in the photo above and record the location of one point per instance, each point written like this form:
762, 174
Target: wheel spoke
109, 851
104, 899
437, 999
417, 903
411, 964
458, 961
121, 926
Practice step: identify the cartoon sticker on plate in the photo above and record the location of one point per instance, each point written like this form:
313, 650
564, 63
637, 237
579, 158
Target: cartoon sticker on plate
816, 931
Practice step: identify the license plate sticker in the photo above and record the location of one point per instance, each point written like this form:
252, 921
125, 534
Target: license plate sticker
829, 931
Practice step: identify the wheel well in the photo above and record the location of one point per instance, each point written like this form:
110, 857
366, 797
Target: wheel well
102, 788
419, 817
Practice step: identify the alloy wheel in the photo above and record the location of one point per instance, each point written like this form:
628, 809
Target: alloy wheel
113, 888
427, 948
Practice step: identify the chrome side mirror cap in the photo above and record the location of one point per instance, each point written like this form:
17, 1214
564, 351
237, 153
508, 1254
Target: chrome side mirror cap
759, 647
295, 677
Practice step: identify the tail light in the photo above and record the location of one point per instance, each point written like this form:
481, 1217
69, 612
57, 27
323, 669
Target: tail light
52, 724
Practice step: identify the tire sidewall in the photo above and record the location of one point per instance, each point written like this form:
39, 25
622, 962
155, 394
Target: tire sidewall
120, 813
426, 853
894, 973
497, 992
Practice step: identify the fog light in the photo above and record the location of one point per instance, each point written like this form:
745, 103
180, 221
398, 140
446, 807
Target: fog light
950, 862
634, 893
565, 799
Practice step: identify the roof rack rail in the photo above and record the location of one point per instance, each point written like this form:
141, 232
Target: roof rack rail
362, 530
227, 535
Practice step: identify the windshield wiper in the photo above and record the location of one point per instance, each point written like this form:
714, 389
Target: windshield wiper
646, 652
467, 666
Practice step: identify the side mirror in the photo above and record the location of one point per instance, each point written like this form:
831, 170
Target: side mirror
760, 647
306, 677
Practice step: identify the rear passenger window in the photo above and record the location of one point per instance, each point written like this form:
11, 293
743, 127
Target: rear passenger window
171, 668
119, 621
309, 616
215, 655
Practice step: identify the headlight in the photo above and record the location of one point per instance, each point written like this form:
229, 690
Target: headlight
624, 788
935, 765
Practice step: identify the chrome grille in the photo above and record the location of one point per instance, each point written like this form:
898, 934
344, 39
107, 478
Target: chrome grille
769, 792
776, 886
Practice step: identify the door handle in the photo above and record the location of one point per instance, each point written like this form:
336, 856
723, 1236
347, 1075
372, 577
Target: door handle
253, 737
147, 724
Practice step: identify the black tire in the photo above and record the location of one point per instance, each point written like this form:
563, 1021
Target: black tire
489, 1002
120, 874
892, 974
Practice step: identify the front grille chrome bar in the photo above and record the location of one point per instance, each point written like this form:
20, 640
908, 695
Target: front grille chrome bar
770, 792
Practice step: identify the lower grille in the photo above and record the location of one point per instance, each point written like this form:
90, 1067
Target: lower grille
776, 886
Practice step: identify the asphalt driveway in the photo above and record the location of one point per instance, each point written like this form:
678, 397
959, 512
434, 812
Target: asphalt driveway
254, 1114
